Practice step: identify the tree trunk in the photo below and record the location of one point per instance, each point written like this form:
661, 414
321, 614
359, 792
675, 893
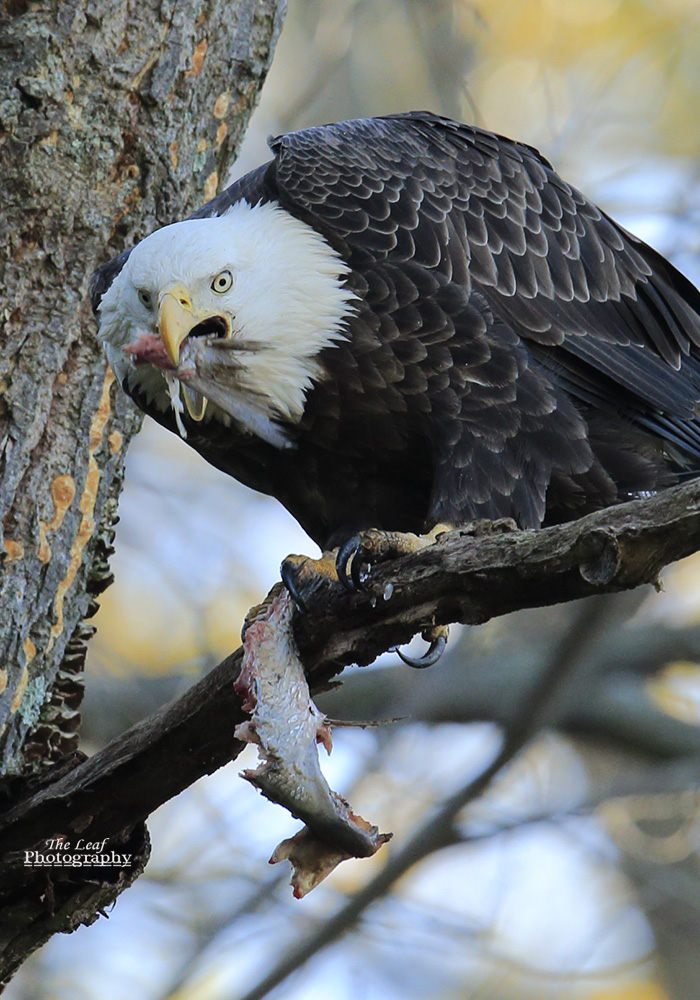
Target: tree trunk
115, 118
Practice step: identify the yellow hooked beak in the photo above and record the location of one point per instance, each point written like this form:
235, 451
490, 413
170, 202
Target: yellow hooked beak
176, 318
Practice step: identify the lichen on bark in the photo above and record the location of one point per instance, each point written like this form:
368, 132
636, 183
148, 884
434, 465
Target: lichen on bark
115, 118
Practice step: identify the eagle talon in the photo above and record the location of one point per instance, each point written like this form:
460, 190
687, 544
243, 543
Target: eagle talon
350, 553
437, 647
287, 572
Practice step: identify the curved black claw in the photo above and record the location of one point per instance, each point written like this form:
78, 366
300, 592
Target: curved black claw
435, 650
287, 572
350, 549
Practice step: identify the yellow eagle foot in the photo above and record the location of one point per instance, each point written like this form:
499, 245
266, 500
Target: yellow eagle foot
303, 575
354, 562
356, 556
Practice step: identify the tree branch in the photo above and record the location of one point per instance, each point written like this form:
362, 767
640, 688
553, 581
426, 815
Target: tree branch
479, 682
470, 578
463, 577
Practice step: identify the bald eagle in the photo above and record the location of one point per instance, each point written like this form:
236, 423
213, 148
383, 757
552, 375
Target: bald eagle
404, 321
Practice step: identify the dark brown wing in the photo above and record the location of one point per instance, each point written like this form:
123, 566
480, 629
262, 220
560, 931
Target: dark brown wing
492, 214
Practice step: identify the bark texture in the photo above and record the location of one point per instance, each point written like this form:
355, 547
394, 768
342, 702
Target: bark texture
115, 118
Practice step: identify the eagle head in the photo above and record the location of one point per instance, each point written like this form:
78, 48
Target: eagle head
227, 315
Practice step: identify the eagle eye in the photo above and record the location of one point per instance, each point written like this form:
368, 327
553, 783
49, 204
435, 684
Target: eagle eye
145, 298
222, 282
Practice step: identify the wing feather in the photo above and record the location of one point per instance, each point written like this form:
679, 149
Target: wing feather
504, 218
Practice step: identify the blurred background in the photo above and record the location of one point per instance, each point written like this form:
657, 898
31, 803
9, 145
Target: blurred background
576, 875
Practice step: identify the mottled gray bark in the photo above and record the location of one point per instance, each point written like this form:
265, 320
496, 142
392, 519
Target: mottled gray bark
115, 118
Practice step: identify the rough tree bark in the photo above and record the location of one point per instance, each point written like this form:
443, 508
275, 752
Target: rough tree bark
115, 118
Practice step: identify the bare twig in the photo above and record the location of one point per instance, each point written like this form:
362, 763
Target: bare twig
484, 681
